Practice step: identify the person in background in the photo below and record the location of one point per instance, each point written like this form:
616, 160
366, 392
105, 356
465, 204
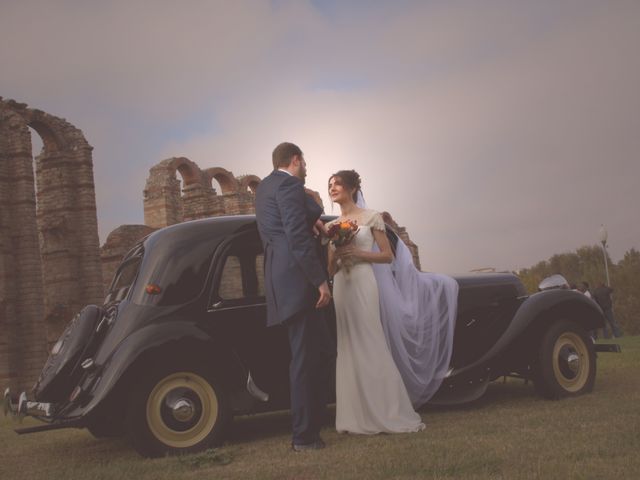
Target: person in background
584, 288
602, 295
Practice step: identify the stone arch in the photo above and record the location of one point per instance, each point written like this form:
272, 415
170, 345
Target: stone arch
66, 218
227, 181
51, 141
188, 170
165, 204
249, 183
164, 201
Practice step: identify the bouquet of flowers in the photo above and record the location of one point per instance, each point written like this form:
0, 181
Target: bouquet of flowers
341, 234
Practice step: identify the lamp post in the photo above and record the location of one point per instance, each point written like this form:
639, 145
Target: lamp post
603, 241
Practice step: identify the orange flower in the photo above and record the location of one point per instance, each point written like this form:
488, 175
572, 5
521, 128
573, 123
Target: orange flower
343, 232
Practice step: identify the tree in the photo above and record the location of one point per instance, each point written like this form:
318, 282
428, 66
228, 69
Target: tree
587, 265
625, 282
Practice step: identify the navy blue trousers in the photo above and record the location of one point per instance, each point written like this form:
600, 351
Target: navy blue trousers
309, 373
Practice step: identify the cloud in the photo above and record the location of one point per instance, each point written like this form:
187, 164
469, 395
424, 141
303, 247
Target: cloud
498, 134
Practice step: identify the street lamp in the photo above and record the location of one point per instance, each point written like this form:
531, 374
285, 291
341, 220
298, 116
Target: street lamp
603, 241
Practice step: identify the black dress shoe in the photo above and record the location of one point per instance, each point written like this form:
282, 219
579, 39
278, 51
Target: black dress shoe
317, 445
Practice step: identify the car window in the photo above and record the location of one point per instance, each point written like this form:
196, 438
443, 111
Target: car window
260, 273
231, 279
241, 276
126, 274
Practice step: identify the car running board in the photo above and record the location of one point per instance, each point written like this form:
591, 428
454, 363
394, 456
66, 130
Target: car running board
608, 347
76, 423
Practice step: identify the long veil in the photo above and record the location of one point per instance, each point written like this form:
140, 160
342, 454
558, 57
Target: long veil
418, 315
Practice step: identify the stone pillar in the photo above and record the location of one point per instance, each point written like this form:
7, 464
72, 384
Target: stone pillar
162, 202
194, 201
67, 222
23, 349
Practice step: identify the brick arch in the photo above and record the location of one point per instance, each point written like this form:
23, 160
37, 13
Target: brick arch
164, 199
50, 140
188, 170
227, 181
66, 217
249, 183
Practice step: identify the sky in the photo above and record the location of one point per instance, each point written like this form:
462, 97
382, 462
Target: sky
498, 132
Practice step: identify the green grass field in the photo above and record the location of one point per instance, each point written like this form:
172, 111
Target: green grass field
510, 434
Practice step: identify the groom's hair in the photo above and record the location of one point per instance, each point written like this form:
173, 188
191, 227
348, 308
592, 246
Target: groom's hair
284, 153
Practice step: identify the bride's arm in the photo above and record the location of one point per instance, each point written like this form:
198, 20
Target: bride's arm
385, 255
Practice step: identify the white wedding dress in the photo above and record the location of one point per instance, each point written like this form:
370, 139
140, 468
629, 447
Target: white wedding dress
371, 396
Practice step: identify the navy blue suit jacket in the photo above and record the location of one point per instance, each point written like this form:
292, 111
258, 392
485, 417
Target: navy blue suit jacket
293, 271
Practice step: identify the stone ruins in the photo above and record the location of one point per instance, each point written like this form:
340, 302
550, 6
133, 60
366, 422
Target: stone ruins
49, 249
51, 264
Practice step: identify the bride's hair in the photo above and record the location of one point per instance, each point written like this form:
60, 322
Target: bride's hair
350, 179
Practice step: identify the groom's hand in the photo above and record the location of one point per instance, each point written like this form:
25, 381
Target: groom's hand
325, 295
315, 195
319, 230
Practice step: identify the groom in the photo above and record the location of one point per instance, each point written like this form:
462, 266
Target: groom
296, 287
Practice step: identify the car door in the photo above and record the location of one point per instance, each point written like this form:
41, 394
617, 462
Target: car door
237, 312
484, 313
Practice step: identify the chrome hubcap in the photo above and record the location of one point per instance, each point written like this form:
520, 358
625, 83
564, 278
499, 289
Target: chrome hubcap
569, 362
573, 361
183, 410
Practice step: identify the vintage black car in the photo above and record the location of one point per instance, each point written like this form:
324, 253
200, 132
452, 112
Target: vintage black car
180, 344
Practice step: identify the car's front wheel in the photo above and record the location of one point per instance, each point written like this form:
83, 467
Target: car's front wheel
566, 363
177, 411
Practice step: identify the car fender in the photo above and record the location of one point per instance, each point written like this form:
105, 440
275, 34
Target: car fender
140, 349
535, 313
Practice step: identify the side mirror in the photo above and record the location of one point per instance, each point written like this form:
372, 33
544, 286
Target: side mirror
552, 282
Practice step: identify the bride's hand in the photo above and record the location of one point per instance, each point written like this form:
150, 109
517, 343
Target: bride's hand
347, 252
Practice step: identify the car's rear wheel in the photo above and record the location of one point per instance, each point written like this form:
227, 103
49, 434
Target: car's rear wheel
177, 411
566, 363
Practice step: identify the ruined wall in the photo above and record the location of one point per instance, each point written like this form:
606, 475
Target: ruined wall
402, 233
63, 213
168, 201
23, 348
165, 203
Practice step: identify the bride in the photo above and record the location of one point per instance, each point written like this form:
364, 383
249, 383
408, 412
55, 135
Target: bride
394, 323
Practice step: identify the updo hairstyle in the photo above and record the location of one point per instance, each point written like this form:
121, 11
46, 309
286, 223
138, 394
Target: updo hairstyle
349, 179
